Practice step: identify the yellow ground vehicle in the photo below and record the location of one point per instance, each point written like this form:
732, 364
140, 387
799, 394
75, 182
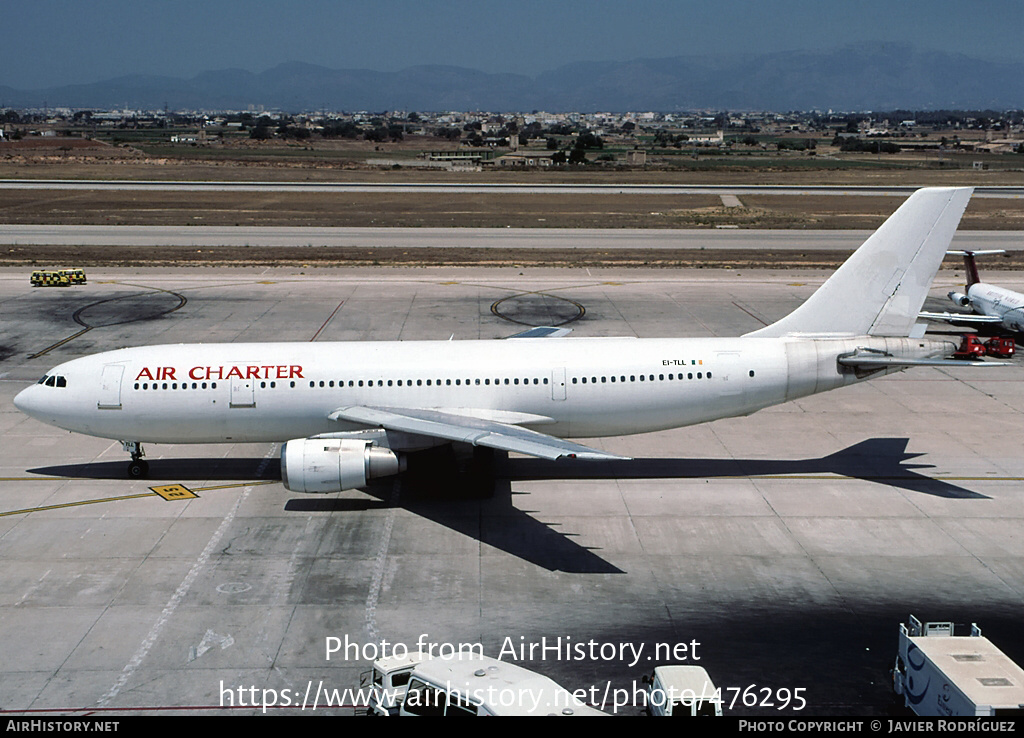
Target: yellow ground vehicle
49, 278
75, 275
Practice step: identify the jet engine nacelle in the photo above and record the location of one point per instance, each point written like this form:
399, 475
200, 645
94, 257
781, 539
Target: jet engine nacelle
960, 298
325, 465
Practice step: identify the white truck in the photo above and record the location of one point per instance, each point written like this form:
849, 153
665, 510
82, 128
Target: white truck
389, 680
467, 684
680, 690
946, 670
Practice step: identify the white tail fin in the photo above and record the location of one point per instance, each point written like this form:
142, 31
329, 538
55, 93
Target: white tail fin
880, 289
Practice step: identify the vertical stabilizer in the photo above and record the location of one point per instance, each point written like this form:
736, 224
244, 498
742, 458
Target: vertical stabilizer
880, 289
971, 266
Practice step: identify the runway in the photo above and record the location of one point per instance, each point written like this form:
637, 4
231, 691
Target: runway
1002, 191
789, 544
490, 238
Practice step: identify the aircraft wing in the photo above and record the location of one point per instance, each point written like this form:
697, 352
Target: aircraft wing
476, 431
961, 317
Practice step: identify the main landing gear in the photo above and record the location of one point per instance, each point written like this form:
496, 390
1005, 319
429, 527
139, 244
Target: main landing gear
137, 468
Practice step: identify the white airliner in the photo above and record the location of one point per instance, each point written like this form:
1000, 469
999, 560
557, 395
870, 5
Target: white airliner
349, 412
991, 304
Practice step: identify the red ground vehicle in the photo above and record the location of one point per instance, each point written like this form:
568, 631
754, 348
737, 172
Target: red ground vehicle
1001, 346
971, 348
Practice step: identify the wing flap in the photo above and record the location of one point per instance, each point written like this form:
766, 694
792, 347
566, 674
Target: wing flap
476, 431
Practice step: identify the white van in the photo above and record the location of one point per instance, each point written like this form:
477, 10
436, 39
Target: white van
469, 684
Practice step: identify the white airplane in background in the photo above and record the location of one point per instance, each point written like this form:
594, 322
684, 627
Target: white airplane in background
349, 412
991, 304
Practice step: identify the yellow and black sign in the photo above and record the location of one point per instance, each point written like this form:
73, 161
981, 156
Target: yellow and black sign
173, 492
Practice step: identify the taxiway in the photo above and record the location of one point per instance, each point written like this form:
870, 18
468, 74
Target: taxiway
789, 544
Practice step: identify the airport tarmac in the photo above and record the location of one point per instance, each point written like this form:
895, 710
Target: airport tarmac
788, 545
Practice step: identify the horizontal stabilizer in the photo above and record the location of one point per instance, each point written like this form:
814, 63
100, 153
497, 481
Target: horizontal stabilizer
881, 362
961, 317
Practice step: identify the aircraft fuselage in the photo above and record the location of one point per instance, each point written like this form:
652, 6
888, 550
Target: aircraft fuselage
988, 299
566, 387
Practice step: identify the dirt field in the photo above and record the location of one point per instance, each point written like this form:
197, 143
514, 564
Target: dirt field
561, 210
144, 156
114, 165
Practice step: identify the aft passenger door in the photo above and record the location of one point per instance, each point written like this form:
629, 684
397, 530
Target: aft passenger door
730, 376
558, 383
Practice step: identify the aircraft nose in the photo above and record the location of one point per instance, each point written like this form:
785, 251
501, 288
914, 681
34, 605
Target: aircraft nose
24, 400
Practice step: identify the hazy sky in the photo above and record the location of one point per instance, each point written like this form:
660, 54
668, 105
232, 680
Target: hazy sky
46, 43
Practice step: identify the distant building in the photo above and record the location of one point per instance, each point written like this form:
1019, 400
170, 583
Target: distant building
718, 137
526, 159
471, 155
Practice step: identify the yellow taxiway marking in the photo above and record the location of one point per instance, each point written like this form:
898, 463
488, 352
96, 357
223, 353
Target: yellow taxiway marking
73, 504
170, 492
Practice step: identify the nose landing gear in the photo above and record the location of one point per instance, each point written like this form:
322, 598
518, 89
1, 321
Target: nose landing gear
137, 468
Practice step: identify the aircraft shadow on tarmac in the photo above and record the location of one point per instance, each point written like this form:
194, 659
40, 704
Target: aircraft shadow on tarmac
478, 503
173, 470
880, 460
496, 521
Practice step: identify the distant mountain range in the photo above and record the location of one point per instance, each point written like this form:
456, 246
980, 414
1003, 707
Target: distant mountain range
873, 76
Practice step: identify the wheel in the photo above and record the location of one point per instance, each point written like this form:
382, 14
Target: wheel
138, 469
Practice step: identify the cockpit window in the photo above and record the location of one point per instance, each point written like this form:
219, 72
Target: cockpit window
62, 382
43, 379
51, 381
